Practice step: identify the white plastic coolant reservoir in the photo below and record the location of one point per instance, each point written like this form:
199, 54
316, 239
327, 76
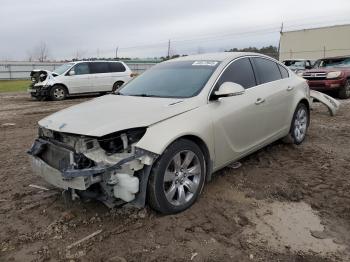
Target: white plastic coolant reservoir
126, 188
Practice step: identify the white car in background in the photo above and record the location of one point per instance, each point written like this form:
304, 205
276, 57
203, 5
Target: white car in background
162, 135
298, 66
79, 78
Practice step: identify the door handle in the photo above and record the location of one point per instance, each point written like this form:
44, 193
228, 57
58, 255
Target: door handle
259, 101
290, 88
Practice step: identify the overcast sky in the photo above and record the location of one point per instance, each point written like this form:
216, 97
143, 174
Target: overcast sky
142, 28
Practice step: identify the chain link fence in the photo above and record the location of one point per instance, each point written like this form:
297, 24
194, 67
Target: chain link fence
21, 70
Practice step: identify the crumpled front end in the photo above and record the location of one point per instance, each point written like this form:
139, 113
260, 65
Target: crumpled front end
109, 168
42, 80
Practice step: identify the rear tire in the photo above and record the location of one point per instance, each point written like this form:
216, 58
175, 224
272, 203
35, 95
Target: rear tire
177, 177
344, 91
117, 85
58, 93
299, 125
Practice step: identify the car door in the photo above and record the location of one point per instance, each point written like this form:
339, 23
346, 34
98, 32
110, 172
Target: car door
78, 79
101, 77
239, 122
278, 91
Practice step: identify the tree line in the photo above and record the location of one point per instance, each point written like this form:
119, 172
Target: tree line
41, 53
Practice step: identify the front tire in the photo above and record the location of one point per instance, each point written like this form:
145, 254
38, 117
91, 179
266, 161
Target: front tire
58, 93
177, 177
299, 125
344, 92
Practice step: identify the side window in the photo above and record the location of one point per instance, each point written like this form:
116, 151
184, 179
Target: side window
240, 72
267, 70
116, 67
284, 72
81, 69
99, 67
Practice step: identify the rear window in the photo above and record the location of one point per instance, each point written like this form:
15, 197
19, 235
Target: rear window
99, 67
267, 70
116, 67
284, 72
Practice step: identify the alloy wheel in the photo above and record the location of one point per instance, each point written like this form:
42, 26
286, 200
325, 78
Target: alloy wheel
58, 93
182, 178
300, 124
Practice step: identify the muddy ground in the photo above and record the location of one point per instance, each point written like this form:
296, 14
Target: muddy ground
285, 203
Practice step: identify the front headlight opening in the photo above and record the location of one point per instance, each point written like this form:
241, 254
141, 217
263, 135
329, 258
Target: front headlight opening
121, 141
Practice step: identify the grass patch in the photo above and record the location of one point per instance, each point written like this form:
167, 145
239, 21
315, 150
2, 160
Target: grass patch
14, 85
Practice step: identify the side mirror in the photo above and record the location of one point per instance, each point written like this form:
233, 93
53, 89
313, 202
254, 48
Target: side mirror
71, 73
229, 89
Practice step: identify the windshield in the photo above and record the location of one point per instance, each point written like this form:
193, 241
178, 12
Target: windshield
63, 68
173, 79
334, 62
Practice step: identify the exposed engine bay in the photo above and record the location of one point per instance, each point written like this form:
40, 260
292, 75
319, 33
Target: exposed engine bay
109, 168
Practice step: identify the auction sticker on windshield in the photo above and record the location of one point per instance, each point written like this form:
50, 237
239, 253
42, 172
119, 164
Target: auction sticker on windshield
205, 63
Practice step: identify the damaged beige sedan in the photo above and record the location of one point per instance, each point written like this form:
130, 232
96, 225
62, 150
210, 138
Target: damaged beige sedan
159, 138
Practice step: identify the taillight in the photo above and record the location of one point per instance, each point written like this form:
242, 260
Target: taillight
133, 74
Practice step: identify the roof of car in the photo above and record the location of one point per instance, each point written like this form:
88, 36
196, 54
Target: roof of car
296, 59
215, 56
335, 57
84, 61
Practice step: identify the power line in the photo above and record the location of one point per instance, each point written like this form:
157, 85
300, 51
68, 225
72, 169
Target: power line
208, 38
214, 37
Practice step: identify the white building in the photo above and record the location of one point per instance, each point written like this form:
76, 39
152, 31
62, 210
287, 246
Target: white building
315, 43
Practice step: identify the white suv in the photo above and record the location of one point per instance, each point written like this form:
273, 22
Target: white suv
79, 77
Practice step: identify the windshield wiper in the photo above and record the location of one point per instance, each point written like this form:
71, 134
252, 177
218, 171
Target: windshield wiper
143, 95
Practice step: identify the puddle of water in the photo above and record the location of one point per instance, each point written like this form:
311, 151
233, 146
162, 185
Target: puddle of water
289, 225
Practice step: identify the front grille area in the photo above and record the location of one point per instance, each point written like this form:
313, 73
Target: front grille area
57, 157
62, 158
315, 76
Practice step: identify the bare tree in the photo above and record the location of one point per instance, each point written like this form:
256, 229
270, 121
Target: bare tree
30, 57
41, 52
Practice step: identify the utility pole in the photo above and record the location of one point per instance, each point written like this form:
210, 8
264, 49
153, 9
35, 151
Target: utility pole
168, 49
116, 52
279, 43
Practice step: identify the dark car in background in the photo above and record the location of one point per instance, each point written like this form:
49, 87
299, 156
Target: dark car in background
330, 75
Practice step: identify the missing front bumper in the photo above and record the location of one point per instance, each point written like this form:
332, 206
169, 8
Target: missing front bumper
54, 176
125, 180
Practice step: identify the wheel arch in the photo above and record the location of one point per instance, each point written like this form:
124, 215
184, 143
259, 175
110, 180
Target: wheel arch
204, 148
199, 142
119, 81
60, 84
